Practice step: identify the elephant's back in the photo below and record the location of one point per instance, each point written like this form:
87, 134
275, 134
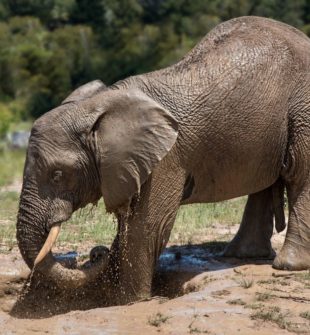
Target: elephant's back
267, 37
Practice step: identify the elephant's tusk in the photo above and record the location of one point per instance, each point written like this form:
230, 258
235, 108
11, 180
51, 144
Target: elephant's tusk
52, 236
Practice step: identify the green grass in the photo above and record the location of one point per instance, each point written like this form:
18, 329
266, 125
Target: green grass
12, 161
11, 170
11, 166
8, 210
91, 224
94, 225
193, 222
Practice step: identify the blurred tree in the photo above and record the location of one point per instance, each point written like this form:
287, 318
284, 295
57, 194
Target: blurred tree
229, 9
288, 11
37, 8
306, 29
7, 89
49, 47
4, 10
52, 13
73, 49
6, 119
39, 102
84, 12
60, 13
306, 12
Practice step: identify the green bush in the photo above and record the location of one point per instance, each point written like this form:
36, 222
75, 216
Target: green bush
50, 47
6, 118
306, 29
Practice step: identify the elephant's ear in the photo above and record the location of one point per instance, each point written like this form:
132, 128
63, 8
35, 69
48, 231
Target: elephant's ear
134, 134
85, 91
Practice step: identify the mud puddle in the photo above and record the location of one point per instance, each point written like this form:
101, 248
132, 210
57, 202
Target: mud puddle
197, 258
195, 292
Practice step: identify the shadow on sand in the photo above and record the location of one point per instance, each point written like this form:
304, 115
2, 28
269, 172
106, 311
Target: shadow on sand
177, 265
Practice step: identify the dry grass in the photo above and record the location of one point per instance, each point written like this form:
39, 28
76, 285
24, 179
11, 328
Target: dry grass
158, 319
245, 282
239, 302
305, 315
272, 314
304, 278
193, 329
263, 296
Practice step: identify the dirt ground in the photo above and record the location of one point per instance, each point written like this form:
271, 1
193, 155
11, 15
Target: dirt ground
205, 294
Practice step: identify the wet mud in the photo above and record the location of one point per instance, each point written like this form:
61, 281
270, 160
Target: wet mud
195, 290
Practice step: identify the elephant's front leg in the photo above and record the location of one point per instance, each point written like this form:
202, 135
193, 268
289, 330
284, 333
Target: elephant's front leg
253, 237
143, 234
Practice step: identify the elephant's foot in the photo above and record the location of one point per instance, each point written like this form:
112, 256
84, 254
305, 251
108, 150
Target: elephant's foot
293, 258
253, 237
245, 248
295, 253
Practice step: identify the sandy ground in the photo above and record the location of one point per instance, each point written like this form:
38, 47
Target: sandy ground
211, 295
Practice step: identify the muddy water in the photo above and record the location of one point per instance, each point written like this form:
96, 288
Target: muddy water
207, 294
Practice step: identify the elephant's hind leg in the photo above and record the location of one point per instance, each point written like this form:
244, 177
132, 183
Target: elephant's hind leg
295, 253
253, 237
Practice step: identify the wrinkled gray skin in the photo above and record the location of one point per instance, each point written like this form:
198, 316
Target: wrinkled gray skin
231, 118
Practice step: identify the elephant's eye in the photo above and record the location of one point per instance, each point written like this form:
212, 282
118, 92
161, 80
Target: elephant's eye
57, 175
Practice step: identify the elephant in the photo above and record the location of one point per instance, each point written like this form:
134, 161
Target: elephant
231, 118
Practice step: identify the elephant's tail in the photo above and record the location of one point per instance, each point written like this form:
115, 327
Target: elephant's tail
278, 204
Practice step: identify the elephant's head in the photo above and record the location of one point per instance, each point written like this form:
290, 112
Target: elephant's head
99, 142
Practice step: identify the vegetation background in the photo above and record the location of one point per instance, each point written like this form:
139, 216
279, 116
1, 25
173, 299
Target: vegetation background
50, 47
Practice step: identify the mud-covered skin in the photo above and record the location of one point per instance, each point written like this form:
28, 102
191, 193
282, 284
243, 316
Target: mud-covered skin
230, 119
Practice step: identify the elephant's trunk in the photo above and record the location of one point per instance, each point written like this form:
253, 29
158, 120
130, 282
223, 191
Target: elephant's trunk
31, 223
32, 233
